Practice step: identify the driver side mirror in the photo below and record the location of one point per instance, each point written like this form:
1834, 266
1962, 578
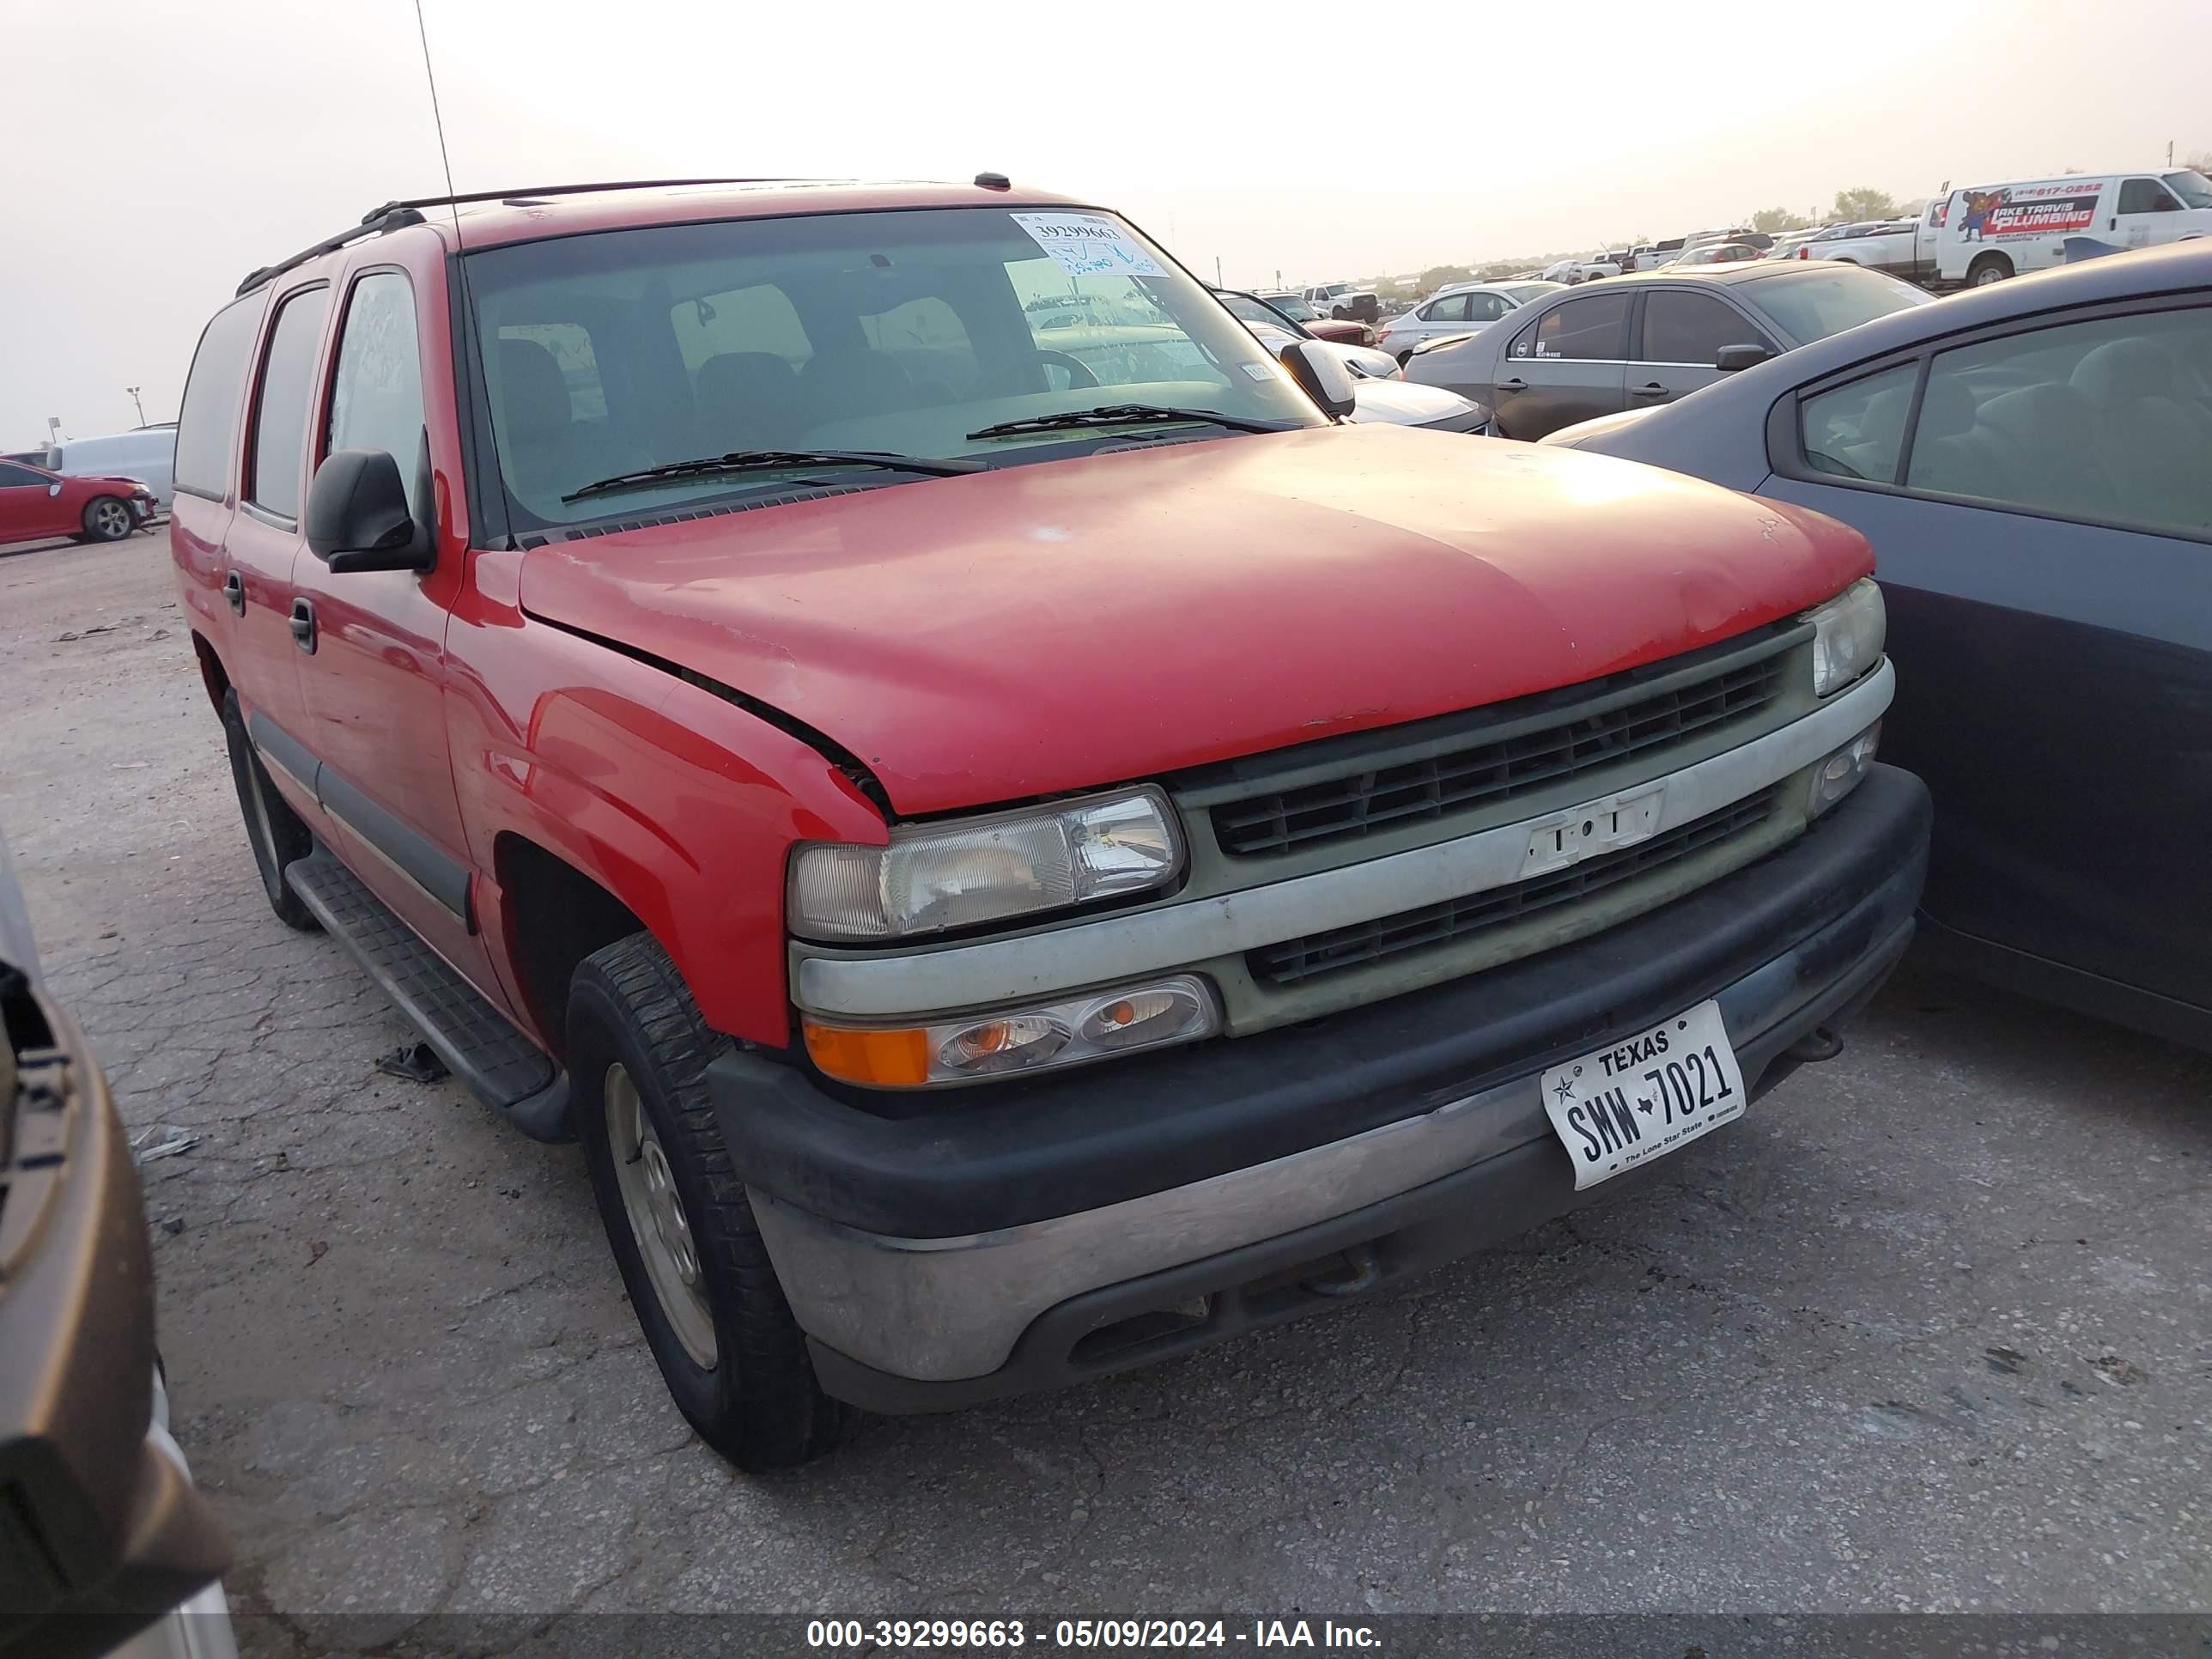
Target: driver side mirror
1730, 358
1322, 376
357, 516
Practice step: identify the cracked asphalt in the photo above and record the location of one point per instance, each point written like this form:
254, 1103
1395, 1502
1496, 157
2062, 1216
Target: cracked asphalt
1930, 1329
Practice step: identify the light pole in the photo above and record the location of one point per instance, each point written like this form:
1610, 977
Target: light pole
135, 404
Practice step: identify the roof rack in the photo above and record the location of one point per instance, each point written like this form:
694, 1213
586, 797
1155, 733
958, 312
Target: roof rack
398, 217
375, 214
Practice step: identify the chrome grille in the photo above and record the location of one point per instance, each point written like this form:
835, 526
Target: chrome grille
1296, 960
1446, 784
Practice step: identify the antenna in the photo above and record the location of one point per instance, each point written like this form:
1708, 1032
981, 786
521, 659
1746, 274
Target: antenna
468, 312
438, 118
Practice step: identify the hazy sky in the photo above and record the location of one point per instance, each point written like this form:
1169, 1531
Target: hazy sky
154, 152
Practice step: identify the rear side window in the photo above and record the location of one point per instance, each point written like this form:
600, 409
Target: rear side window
207, 427
279, 414
1857, 431
1691, 328
1592, 330
376, 391
1450, 309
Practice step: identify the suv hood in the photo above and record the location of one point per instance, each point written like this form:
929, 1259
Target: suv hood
1064, 625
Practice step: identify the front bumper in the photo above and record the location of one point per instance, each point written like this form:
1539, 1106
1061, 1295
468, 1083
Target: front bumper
1129, 1212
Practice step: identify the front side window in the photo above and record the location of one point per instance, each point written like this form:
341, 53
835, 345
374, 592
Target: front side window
207, 425
905, 333
1857, 431
2106, 419
2146, 196
19, 477
1691, 328
1590, 330
280, 413
1486, 307
376, 391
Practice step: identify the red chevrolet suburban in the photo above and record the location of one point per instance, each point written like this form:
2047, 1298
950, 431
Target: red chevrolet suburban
1014, 862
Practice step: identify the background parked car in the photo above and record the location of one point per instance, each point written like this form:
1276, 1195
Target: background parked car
1646, 340
1379, 390
1345, 330
35, 504
1717, 253
149, 454
1458, 309
1575, 270
2030, 460
1278, 328
105, 1539
1344, 300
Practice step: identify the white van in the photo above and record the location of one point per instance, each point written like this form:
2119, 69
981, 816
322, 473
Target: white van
1987, 233
149, 455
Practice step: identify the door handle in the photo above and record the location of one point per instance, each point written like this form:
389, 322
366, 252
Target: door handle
1649, 389
1513, 385
233, 589
303, 626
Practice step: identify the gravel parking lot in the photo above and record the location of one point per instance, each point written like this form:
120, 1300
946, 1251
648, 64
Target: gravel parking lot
1932, 1329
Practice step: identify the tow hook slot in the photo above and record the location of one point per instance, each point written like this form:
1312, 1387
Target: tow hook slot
1816, 1045
1353, 1273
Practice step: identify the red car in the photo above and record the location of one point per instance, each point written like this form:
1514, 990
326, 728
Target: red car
35, 504
1344, 331
1018, 851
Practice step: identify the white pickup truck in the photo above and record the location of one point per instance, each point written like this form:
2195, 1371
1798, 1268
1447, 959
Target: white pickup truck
1986, 233
1343, 300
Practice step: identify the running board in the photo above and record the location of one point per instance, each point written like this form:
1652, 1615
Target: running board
479, 1045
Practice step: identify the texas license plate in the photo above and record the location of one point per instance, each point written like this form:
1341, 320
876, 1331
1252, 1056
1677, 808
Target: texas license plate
1646, 1095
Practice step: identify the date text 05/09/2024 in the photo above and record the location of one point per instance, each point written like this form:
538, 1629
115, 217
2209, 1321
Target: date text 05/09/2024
1011, 1635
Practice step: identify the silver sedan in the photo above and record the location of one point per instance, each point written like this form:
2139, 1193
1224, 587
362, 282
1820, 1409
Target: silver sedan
1459, 309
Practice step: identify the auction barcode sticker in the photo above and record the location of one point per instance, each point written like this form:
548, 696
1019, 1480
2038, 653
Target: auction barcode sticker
1088, 245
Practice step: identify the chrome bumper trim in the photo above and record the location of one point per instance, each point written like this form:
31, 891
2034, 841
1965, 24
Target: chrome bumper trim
1176, 935
946, 1310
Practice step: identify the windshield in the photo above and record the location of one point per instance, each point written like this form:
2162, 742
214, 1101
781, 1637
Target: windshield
1816, 301
2191, 186
1522, 293
897, 333
1294, 308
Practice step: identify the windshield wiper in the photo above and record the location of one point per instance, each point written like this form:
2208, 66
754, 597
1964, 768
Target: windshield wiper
1128, 415
771, 460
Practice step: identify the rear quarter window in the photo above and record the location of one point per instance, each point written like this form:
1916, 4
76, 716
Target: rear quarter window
207, 426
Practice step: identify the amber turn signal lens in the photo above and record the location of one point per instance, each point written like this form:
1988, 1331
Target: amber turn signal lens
896, 1058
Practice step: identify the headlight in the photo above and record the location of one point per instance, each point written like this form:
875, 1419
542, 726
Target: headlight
1848, 635
967, 871
1096, 1026
1840, 773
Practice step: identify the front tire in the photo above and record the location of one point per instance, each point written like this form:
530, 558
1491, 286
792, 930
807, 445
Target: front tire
678, 1218
1987, 267
108, 519
273, 830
